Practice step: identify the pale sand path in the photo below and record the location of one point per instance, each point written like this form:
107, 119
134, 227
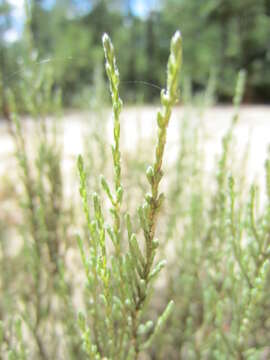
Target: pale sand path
138, 124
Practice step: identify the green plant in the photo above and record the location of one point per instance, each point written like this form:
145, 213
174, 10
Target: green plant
41, 292
220, 282
119, 283
213, 232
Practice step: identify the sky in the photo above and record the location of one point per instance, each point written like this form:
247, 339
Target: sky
138, 7
17, 20
142, 7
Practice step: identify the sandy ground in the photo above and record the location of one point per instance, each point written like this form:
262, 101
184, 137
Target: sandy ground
139, 123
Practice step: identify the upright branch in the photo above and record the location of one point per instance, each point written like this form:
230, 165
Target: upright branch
153, 200
154, 173
114, 79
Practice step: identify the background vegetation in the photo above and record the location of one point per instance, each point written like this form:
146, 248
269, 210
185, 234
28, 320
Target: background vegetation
140, 256
221, 37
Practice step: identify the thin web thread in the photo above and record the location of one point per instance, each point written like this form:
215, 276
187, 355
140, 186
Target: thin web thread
50, 60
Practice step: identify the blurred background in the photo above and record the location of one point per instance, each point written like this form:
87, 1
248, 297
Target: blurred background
220, 38
54, 91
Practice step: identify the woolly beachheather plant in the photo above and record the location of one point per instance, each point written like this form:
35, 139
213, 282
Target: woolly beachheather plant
40, 286
119, 283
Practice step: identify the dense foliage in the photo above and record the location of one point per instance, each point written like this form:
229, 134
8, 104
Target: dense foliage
221, 37
118, 298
